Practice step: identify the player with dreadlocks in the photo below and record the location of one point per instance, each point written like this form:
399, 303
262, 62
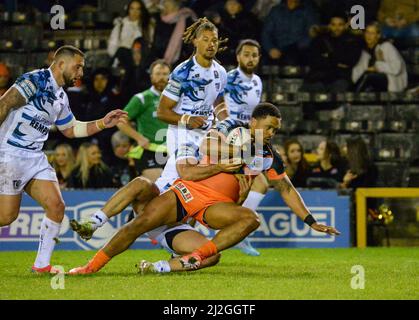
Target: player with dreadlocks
195, 87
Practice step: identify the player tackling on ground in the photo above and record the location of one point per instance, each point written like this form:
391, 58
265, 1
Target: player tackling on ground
34, 103
212, 201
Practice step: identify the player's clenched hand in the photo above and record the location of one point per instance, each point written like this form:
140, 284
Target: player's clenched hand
115, 117
325, 229
196, 122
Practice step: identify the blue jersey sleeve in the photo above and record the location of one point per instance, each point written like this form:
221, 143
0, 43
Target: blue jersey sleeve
33, 84
26, 86
65, 118
226, 126
173, 89
177, 80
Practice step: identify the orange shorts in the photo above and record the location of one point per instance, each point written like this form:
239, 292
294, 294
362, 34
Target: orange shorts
196, 198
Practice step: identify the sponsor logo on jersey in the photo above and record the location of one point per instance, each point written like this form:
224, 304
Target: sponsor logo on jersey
17, 184
184, 192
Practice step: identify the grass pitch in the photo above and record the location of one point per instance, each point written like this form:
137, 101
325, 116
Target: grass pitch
390, 273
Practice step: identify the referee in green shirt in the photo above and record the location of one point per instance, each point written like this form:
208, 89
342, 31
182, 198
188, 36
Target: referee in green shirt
142, 108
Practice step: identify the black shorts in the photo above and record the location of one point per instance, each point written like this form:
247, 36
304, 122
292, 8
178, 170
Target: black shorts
171, 235
148, 161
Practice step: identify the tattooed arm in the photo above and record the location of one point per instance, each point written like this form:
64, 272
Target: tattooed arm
12, 99
291, 196
296, 203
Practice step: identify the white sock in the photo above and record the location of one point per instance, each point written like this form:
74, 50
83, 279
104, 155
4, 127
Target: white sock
48, 235
98, 219
162, 266
253, 200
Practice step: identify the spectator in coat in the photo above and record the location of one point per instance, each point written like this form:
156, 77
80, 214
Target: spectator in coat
332, 56
380, 67
169, 30
235, 26
134, 25
122, 168
361, 173
101, 98
285, 34
135, 78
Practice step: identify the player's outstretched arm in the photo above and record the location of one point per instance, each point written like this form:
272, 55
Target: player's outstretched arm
12, 99
81, 129
296, 203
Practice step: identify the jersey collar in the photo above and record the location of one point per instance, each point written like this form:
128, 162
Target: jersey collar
155, 91
197, 64
245, 75
53, 81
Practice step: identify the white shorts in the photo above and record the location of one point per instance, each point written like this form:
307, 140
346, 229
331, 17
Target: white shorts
168, 176
16, 171
161, 238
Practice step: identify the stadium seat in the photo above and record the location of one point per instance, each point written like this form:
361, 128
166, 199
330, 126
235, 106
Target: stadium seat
340, 139
397, 147
366, 112
322, 183
365, 118
414, 177
402, 112
288, 85
402, 118
392, 174
97, 59
291, 117
310, 142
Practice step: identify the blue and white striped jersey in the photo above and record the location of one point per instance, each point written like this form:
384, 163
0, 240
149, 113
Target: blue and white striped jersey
27, 128
242, 94
196, 88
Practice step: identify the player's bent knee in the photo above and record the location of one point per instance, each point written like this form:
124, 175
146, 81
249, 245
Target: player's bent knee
55, 209
139, 185
59, 207
252, 220
138, 224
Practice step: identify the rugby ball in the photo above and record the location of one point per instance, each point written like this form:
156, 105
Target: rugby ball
238, 136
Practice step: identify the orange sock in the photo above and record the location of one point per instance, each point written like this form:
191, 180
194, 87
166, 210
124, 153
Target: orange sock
99, 261
207, 250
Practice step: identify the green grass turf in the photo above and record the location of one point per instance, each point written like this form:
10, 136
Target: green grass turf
390, 273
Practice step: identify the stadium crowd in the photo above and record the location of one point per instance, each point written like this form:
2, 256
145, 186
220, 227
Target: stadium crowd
308, 33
